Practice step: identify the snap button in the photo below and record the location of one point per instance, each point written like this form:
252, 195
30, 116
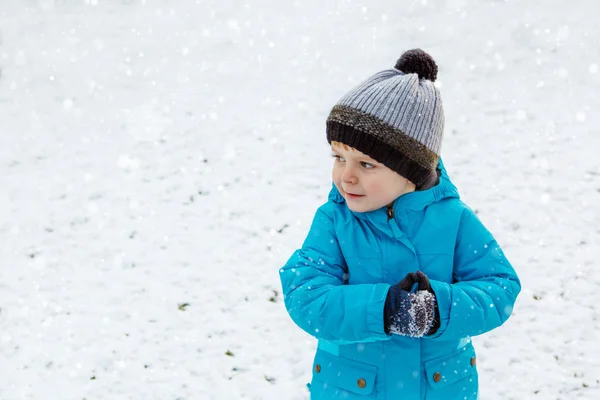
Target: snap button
473, 361
437, 377
361, 383
318, 368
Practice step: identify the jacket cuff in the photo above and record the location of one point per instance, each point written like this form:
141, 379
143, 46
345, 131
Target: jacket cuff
376, 308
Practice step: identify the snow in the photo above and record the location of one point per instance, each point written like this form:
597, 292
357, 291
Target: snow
156, 153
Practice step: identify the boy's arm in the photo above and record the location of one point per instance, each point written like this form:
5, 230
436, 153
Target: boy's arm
316, 297
486, 285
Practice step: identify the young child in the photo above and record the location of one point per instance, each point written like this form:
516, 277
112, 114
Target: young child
397, 273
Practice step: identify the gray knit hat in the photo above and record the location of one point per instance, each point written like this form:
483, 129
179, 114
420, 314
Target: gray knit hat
395, 117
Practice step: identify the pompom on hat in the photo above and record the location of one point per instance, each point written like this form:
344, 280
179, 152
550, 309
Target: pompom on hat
395, 117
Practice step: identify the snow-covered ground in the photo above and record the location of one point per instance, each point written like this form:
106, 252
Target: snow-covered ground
160, 160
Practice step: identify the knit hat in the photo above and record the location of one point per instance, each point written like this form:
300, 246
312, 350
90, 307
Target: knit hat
396, 118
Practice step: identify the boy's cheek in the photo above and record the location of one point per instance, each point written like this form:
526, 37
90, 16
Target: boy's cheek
374, 188
335, 174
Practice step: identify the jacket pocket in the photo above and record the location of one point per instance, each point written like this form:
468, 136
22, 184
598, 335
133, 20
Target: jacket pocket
453, 376
335, 377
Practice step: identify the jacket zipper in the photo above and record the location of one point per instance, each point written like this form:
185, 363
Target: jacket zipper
390, 211
398, 234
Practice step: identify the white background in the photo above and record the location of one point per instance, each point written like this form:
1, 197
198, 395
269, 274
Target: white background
155, 153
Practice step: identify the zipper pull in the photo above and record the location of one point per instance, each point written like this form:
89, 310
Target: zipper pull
390, 211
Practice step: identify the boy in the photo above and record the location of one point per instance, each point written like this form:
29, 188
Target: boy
396, 273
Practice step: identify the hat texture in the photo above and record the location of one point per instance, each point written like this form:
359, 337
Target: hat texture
395, 117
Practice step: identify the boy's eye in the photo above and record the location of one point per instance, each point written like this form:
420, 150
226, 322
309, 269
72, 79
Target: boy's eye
366, 165
338, 158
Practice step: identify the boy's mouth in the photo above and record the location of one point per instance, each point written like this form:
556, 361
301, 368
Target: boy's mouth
354, 196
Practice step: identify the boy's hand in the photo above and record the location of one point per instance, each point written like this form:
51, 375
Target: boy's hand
411, 313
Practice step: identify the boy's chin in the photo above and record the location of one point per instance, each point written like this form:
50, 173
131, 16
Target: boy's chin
360, 209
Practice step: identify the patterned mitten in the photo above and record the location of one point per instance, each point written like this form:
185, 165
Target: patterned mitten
410, 307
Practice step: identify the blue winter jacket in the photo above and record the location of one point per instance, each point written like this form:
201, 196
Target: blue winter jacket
335, 288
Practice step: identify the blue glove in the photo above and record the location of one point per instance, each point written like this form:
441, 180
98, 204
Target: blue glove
410, 307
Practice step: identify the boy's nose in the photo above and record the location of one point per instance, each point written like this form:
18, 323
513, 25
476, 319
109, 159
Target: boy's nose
348, 176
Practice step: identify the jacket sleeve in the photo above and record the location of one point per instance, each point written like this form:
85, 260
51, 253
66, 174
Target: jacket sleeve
485, 284
317, 298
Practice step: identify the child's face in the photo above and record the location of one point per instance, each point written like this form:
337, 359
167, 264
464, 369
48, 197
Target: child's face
365, 184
